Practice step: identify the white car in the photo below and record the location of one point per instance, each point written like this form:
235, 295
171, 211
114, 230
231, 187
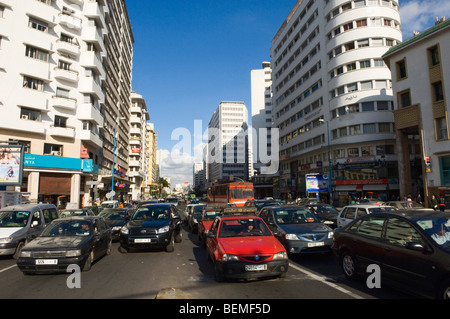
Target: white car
351, 212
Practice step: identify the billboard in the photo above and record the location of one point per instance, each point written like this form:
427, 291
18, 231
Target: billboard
11, 165
316, 183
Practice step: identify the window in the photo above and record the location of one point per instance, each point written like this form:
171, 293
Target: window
382, 105
377, 42
438, 92
351, 66
366, 151
404, 99
348, 26
434, 56
378, 63
38, 25
441, 128
36, 53
29, 114
399, 232
372, 227
401, 70
53, 149
364, 64
343, 131
363, 43
60, 121
355, 129
32, 83
62, 93
340, 153
353, 152
352, 87
369, 128
64, 65
366, 85
368, 106
384, 127
361, 23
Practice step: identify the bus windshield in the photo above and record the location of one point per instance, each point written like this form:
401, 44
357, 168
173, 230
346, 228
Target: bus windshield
245, 193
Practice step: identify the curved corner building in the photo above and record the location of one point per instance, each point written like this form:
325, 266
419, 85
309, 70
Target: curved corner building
329, 80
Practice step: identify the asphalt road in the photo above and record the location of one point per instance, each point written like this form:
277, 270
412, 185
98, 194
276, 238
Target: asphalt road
186, 273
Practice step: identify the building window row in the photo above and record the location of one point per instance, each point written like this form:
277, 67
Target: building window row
358, 4
356, 65
367, 128
362, 107
360, 86
361, 43
313, 142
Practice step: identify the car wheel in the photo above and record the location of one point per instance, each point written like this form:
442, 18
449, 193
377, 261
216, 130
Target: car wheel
348, 265
218, 275
108, 249
170, 248
18, 250
88, 263
444, 292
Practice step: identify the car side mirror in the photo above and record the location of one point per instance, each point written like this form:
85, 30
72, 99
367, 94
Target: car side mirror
413, 245
34, 223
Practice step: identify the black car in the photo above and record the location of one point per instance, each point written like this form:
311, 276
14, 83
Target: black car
116, 218
194, 216
327, 214
299, 230
66, 241
157, 225
411, 248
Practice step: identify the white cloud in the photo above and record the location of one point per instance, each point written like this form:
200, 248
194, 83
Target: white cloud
176, 165
419, 15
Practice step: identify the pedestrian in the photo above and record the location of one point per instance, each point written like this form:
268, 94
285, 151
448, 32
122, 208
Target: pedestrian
434, 202
442, 203
419, 199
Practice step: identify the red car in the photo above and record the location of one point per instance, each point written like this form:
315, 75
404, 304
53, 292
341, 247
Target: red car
244, 247
205, 223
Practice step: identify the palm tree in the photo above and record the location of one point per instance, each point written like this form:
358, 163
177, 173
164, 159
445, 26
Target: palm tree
162, 182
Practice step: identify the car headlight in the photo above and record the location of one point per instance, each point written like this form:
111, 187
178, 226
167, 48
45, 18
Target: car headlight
280, 255
229, 257
330, 235
25, 254
116, 228
124, 230
5, 240
291, 237
164, 229
73, 253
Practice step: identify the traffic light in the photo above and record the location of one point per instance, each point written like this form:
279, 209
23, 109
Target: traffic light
428, 164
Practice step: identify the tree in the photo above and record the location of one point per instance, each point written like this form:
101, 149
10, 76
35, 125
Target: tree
162, 182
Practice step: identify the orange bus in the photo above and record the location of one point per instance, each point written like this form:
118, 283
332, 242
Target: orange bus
236, 193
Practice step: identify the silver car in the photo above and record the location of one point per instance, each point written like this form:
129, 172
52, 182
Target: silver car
351, 212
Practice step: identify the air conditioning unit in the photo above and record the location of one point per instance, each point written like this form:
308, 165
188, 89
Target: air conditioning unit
24, 117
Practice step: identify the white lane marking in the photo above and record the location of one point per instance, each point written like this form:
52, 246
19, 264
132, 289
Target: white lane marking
325, 281
5, 269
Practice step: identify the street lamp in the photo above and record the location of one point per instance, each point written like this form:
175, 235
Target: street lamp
114, 154
329, 161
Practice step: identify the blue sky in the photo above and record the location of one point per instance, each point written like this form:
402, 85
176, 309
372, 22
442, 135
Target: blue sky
191, 55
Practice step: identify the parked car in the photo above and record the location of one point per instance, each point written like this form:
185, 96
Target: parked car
351, 212
152, 226
299, 230
326, 213
94, 208
371, 201
194, 216
116, 218
412, 249
402, 205
20, 224
244, 247
76, 212
66, 241
208, 216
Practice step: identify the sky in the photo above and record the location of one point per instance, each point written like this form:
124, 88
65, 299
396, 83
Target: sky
191, 55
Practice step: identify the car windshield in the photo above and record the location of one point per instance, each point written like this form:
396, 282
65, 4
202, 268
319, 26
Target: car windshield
113, 214
67, 228
68, 213
211, 214
107, 205
243, 227
295, 216
437, 228
381, 209
410, 204
152, 212
14, 219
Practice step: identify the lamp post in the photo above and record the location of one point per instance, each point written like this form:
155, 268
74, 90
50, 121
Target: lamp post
329, 161
114, 154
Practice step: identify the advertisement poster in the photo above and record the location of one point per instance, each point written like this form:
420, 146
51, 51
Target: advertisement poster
316, 183
11, 165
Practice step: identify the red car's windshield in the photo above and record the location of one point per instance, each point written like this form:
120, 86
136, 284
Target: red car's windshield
242, 227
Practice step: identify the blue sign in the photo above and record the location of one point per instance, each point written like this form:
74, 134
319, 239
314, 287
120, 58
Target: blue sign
88, 165
316, 183
44, 161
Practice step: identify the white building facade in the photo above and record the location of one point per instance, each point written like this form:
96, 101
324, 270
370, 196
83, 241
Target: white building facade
329, 79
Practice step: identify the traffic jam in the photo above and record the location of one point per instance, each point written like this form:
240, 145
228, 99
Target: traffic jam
244, 238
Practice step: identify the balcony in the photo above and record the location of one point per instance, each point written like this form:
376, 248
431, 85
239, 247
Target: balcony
135, 120
64, 102
67, 48
135, 130
33, 99
89, 85
90, 138
66, 75
93, 10
68, 132
135, 110
92, 60
69, 21
89, 113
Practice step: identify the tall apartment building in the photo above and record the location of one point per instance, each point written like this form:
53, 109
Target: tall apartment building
56, 61
227, 152
328, 73
261, 98
420, 69
138, 159
152, 160
199, 176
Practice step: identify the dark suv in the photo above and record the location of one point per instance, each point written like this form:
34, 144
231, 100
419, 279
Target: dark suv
156, 225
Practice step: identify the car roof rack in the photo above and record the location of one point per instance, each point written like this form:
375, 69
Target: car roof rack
239, 211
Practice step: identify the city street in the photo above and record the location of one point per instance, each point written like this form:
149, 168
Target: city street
186, 273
